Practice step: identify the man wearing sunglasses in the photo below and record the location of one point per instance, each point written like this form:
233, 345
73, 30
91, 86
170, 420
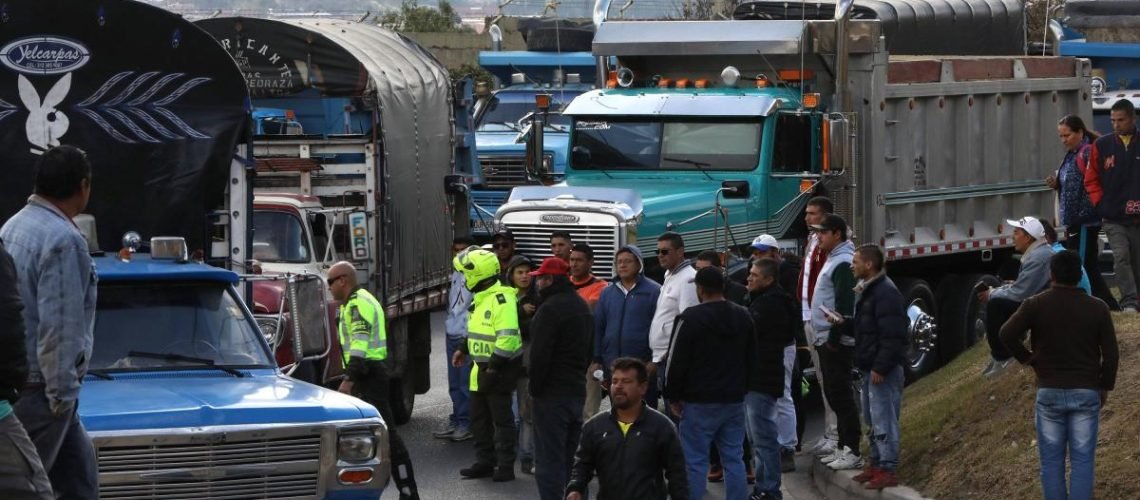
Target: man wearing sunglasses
677, 294
364, 347
504, 247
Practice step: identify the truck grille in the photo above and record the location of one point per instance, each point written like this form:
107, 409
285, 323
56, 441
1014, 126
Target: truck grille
280, 467
533, 241
503, 171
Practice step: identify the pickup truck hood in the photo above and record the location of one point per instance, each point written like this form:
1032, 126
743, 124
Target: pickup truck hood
154, 400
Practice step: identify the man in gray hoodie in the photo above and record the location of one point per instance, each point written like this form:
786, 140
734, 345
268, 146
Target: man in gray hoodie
1032, 279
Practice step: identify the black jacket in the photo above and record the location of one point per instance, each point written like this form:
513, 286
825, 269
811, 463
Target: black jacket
13, 355
645, 464
775, 315
562, 334
880, 326
711, 354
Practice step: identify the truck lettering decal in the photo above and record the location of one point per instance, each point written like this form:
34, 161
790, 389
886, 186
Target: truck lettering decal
587, 125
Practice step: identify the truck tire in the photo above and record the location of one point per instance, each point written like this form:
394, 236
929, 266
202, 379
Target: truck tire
963, 315
403, 395
922, 327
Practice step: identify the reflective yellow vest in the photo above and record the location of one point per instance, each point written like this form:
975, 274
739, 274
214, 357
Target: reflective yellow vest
493, 327
361, 328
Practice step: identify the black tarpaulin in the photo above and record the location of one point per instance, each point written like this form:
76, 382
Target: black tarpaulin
151, 98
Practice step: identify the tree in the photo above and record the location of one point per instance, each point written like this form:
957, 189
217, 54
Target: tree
412, 18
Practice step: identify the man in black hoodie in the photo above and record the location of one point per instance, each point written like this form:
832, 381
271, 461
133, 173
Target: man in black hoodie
775, 315
710, 359
560, 351
21, 472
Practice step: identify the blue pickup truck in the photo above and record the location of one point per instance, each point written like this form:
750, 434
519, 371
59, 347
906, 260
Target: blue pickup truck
183, 397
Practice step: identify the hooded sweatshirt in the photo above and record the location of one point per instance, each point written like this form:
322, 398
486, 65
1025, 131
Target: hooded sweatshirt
711, 355
622, 318
677, 294
834, 290
530, 296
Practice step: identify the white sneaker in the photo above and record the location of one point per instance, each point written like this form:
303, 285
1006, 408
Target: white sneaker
997, 368
846, 461
835, 454
824, 447
1128, 309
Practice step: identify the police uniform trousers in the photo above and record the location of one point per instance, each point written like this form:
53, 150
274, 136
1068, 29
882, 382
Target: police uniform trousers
492, 420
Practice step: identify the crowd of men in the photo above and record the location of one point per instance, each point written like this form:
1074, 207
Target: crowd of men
702, 371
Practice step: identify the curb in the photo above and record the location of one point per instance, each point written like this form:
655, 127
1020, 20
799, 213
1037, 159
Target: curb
837, 485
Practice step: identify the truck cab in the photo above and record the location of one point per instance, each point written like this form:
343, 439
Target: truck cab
208, 411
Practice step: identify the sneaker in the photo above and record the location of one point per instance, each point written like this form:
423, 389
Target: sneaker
835, 454
869, 472
787, 460
478, 471
526, 466
1128, 309
826, 447
761, 496
504, 474
446, 433
749, 474
997, 368
847, 460
716, 474
884, 479
461, 434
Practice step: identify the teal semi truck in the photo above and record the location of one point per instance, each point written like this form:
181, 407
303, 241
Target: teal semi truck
723, 130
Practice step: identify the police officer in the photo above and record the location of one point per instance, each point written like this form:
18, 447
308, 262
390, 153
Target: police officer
495, 344
364, 345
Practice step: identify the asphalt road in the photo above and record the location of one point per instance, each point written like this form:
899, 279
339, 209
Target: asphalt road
437, 462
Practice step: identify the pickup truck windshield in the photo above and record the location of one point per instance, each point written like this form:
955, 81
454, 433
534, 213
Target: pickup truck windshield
279, 237
201, 320
503, 116
671, 145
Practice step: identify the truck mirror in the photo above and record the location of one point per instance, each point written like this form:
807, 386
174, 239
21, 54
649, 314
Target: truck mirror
580, 157
837, 156
735, 190
454, 184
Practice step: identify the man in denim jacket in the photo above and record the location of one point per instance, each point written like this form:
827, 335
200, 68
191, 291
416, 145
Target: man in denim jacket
57, 285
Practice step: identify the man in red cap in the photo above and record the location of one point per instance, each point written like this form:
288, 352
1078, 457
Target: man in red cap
561, 333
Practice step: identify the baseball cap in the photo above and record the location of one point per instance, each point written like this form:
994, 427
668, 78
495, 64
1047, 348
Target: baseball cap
554, 266
831, 222
765, 242
1030, 225
711, 277
505, 234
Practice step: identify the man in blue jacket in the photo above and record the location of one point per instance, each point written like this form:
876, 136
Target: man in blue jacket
458, 378
622, 317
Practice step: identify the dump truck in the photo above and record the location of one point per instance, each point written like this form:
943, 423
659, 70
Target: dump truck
723, 130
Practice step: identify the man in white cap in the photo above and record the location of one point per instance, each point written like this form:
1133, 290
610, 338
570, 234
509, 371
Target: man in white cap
1003, 301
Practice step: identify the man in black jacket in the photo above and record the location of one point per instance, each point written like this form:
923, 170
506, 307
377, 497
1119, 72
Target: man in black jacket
710, 359
560, 351
880, 350
630, 446
21, 472
774, 317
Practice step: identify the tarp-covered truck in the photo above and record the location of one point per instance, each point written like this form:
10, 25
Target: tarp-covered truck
181, 396
377, 149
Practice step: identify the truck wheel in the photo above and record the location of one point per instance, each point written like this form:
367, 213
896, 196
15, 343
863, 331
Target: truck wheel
963, 316
403, 395
922, 327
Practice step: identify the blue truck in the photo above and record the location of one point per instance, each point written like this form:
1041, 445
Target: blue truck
182, 395
1107, 32
723, 130
499, 119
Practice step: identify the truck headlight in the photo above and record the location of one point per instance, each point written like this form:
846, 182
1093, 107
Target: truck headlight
269, 329
356, 447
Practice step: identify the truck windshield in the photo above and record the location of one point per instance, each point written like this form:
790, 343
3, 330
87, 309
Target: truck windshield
671, 145
279, 237
194, 321
503, 116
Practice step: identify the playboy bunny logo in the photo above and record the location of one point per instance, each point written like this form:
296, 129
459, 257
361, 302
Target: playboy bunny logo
46, 123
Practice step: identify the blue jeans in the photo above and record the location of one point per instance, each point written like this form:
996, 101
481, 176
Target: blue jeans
703, 424
761, 411
557, 431
458, 386
1067, 419
65, 450
881, 403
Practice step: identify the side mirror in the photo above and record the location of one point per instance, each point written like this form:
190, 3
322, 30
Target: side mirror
580, 157
837, 143
735, 190
454, 184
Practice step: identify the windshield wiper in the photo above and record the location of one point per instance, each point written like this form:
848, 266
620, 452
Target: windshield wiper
170, 356
513, 126
100, 374
557, 128
699, 164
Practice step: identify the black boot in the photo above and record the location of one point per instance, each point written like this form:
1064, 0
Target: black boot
787, 460
477, 471
504, 473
